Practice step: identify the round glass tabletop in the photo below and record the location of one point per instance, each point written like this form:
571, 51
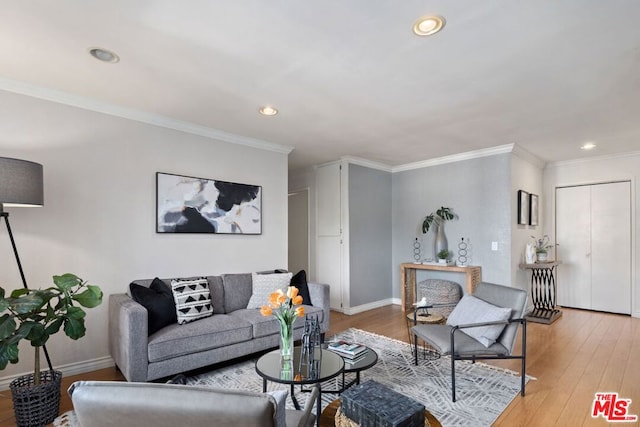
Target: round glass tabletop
271, 367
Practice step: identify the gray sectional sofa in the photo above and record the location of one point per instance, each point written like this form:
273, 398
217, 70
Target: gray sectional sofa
233, 331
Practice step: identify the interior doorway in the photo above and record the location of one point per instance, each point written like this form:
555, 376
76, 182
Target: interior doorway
298, 257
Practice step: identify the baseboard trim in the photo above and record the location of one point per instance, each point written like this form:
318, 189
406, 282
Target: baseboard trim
67, 370
366, 307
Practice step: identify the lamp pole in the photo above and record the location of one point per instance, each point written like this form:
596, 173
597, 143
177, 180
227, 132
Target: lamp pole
5, 215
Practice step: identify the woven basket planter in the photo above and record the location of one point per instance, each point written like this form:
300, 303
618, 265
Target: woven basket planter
36, 405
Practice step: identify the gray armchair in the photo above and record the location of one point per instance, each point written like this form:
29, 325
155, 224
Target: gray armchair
472, 338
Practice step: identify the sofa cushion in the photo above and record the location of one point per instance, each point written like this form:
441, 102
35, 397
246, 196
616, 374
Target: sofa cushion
205, 334
217, 294
237, 291
263, 285
264, 326
158, 300
192, 298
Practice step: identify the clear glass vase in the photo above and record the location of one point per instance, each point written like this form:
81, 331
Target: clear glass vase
286, 341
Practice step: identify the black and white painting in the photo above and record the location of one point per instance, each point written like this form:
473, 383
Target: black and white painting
523, 207
533, 209
197, 205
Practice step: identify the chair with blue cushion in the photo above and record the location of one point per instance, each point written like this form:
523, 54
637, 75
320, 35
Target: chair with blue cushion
481, 326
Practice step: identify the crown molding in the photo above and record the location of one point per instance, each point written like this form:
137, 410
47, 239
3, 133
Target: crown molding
85, 103
485, 152
528, 156
367, 163
592, 159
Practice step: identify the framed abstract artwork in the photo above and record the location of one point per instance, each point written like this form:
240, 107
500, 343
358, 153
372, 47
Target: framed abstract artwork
187, 204
533, 209
523, 207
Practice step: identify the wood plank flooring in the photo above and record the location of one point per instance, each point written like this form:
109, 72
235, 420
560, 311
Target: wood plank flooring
580, 354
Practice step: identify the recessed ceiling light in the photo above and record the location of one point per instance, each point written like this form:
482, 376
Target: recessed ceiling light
428, 25
104, 55
588, 146
268, 110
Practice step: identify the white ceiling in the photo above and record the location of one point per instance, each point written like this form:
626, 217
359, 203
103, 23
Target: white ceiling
348, 76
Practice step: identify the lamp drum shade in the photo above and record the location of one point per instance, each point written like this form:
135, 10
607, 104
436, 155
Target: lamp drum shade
21, 183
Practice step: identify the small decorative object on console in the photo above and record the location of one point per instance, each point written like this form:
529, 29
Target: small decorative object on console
542, 246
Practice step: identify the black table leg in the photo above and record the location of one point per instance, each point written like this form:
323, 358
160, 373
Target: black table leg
294, 400
264, 385
319, 406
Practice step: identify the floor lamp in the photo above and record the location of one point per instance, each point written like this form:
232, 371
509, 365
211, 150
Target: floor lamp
21, 185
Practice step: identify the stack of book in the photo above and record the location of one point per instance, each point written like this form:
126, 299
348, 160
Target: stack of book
350, 352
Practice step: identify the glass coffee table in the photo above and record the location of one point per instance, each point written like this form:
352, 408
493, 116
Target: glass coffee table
271, 367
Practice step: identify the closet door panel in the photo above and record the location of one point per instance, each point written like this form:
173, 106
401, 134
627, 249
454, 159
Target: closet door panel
611, 247
573, 223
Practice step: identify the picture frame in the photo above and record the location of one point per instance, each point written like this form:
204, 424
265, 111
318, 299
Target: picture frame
533, 209
186, 204
523, 207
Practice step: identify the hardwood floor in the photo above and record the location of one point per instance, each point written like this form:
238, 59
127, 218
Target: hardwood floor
580, 354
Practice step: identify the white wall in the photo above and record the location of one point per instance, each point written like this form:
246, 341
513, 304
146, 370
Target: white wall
99, 215
526, 174
599, 170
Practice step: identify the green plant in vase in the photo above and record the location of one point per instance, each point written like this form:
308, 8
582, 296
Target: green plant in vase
542, 246
437, 220
35, 315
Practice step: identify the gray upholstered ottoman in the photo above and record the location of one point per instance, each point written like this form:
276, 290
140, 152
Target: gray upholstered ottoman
373, 404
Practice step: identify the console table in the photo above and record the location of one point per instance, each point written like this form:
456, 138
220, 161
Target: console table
408, 279
543, 292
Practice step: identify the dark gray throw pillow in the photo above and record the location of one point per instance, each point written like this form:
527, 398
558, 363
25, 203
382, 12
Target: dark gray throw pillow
158, 300
299, 280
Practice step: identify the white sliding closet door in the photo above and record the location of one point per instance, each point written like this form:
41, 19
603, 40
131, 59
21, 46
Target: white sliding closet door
611, 247
573, 233
593, 230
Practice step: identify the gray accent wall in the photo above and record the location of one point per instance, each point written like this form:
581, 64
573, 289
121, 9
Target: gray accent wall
370, 235
479, 191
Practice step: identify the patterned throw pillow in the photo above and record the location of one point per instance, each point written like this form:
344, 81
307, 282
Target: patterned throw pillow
192, 298
264, 285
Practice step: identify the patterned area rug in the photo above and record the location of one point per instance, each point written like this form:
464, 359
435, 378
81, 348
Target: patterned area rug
483, 391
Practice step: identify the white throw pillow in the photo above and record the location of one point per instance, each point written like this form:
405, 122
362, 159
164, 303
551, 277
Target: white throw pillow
264, 285
474, 310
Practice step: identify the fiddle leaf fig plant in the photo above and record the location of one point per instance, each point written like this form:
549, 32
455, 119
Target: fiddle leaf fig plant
37, 314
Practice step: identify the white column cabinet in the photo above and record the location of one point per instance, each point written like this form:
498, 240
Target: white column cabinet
593, 230
330, 255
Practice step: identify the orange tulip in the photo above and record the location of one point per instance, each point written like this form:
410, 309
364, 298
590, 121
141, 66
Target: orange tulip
292, 291
273, 299
266, 311
300, 311
282, 298
297, 300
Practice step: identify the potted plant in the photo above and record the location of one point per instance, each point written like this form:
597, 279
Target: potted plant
542, 247
437, 219
35, 315
443, 256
